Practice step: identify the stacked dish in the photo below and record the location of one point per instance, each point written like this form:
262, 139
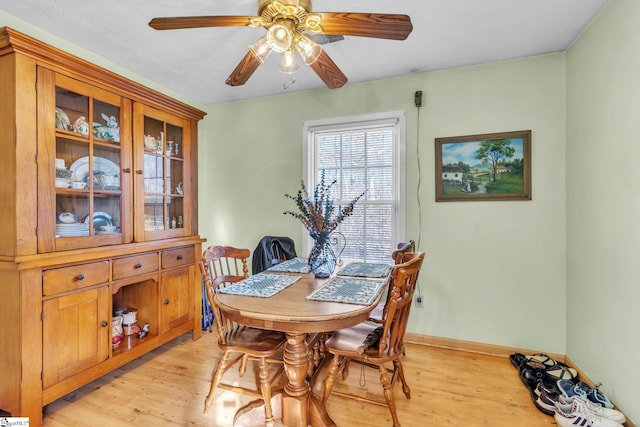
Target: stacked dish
73, 229
63, 183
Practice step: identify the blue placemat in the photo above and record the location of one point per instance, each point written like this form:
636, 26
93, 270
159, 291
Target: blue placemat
349, 290
260, 285
364, 269
295, 265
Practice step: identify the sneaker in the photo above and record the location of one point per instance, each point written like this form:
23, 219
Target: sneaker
547, 388
567, 388
592, 394
577, 414
595, 409
546, 402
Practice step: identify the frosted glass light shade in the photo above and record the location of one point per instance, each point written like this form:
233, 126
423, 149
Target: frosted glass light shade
261, 49
308, 49
280, 37
288, 64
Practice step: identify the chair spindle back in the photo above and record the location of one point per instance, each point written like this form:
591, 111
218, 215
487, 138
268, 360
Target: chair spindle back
404, 277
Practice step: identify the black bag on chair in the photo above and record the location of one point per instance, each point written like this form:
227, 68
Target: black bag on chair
271, 251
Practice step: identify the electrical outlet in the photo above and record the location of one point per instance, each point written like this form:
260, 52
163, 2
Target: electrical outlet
419, 301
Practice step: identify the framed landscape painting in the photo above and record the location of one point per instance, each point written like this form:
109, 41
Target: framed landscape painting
493, 166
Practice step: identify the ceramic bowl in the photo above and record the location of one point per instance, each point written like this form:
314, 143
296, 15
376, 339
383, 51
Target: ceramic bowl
67, 217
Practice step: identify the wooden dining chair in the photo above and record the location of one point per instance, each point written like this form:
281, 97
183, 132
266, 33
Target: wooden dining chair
220, 267
374, 345
397, 256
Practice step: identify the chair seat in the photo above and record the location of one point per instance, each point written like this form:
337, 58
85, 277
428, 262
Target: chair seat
253, 341
346, 341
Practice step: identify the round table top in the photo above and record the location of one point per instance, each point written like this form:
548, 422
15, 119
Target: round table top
290, 311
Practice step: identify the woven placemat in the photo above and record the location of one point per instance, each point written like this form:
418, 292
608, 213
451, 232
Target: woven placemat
365, 269
262, 285
349, 290
295, 265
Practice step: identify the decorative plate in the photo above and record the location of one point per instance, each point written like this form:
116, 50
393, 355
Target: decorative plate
100, 219
62, 120
105, 169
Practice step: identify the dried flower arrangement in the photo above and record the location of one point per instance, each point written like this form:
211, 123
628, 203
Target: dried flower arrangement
319, 215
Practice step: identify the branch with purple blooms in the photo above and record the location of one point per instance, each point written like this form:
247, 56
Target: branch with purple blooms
318, 214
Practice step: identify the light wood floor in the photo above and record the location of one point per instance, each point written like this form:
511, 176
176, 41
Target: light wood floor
167, 388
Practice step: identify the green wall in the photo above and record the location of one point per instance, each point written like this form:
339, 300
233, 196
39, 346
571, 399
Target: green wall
492, 267
603, 206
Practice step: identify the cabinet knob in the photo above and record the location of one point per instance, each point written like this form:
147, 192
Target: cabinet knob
104, 324
80, 276
138, 265
166, 302
126, 170
179, 257
139, 171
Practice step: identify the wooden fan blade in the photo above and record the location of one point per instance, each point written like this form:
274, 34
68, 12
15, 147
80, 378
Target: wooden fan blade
328, 71
247, 66
199, 22
377, 25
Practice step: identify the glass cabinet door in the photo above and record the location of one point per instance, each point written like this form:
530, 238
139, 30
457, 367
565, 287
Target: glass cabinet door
163, 144
88, 165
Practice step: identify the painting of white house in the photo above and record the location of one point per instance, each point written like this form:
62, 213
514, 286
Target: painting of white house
484, 167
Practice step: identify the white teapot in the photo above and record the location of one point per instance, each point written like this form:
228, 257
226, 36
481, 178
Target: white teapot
150, 142
81, 126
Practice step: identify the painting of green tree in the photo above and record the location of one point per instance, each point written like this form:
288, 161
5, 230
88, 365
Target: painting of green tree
484, 166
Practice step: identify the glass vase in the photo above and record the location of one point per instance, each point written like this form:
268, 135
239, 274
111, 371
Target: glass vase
322, 259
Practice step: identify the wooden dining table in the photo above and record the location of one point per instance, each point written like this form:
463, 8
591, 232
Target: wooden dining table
290, 312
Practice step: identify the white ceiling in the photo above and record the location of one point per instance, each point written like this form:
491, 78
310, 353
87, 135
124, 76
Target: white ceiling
196, 62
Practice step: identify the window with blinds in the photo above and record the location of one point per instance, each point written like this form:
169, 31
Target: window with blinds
362, 154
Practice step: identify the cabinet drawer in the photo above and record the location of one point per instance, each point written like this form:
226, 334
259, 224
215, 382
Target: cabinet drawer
177, 257
135, 265
75, 277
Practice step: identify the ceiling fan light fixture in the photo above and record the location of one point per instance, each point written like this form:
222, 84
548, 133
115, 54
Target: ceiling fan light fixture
280, 36
291, 27
308, 49
288, 64
261, 49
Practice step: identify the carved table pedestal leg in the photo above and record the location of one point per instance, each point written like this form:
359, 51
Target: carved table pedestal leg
300, 407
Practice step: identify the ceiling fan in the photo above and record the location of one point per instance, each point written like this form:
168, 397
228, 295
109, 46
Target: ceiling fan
290, 25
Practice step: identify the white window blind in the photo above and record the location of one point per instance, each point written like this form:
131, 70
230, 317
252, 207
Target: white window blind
363, 154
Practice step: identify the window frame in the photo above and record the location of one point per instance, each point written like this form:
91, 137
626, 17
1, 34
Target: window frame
361, 121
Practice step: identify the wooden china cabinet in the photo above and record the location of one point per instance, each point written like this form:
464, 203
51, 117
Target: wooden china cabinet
99, 208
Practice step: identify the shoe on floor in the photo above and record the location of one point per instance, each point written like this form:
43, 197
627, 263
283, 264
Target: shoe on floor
546, 402
542, 358
548, 388
595, 409
560, 371
517, 359
567, 388
594, 395
577, 414
582, 389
